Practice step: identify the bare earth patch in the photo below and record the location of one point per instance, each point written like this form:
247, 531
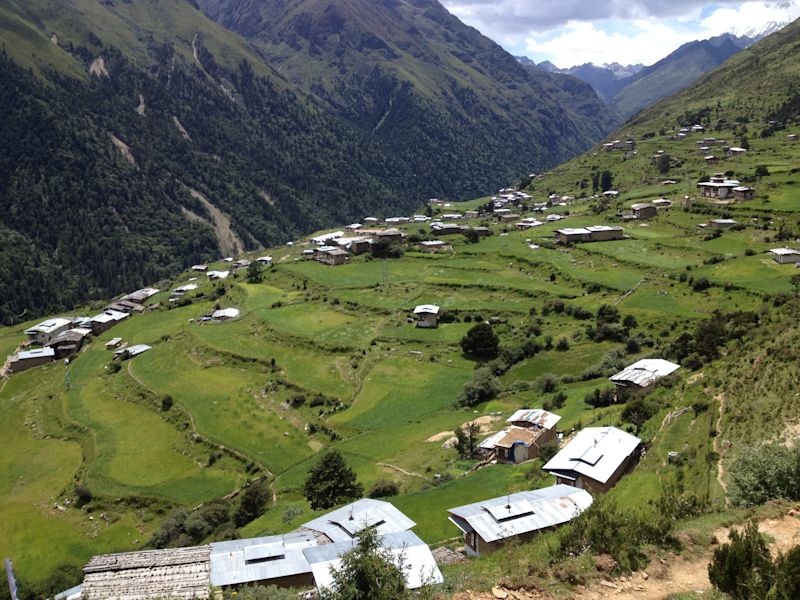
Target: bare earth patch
229, 242
124, 149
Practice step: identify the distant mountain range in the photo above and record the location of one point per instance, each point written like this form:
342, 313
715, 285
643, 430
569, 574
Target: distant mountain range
629, 89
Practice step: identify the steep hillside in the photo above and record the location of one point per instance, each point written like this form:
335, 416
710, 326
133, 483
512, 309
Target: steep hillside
412, 75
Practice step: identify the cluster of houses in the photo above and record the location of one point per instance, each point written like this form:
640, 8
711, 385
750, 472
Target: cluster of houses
302, 559
589, 464
627, 145
62, 337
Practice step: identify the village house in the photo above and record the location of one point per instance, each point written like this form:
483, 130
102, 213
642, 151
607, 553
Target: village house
242, 263
30, 358
471, 214
643, 210
641, 374
216, 275
68, 342
433, 246
528, 223
131, 351
487, 525
662, 203
507, 217
717, 186
722, 223
225, 314
785, 255
427, 316
792, 137
595, 233
711, 159
47, 330
139, 296
482, 231
743, 192
390, 235
611, 193
113, 343
200, 268
104, 321
529, 430
181, 573
331, 256
274, 560
736, 151
447, 228
183, 289
595, 459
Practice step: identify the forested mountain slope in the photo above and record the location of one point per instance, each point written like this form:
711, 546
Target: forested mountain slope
438, 93
138, 138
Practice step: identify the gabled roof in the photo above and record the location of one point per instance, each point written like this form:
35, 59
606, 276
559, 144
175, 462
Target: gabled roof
535, 416
259, 559
784, 251
523, 512
419, 566
595, 452
426, 309
225, 313
646, 371
344, 523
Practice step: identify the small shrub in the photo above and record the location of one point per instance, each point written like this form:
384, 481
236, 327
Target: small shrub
383, 488
166, 403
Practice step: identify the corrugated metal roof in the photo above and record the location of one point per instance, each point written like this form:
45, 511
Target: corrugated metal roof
343, 523
523, 512
260, 559
596, 452
419, 566
537, 417
645, 371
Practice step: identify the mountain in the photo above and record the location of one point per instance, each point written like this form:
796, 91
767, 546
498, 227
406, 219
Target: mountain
628, 89
755, 86
141, 137
412, 75
674, 72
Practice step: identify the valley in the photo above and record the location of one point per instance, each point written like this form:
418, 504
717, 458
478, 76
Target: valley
248, 367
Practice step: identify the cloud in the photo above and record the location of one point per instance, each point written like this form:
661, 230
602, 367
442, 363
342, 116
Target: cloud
641, 42
509, 16
571, 32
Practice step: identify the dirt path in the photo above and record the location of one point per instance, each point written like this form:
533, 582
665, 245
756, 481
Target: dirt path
400, 470
673, 575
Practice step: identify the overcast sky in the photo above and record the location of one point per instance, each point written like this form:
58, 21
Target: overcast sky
573, 32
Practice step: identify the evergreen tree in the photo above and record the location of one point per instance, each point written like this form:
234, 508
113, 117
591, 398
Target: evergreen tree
480, 341
331, 482
368, 572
